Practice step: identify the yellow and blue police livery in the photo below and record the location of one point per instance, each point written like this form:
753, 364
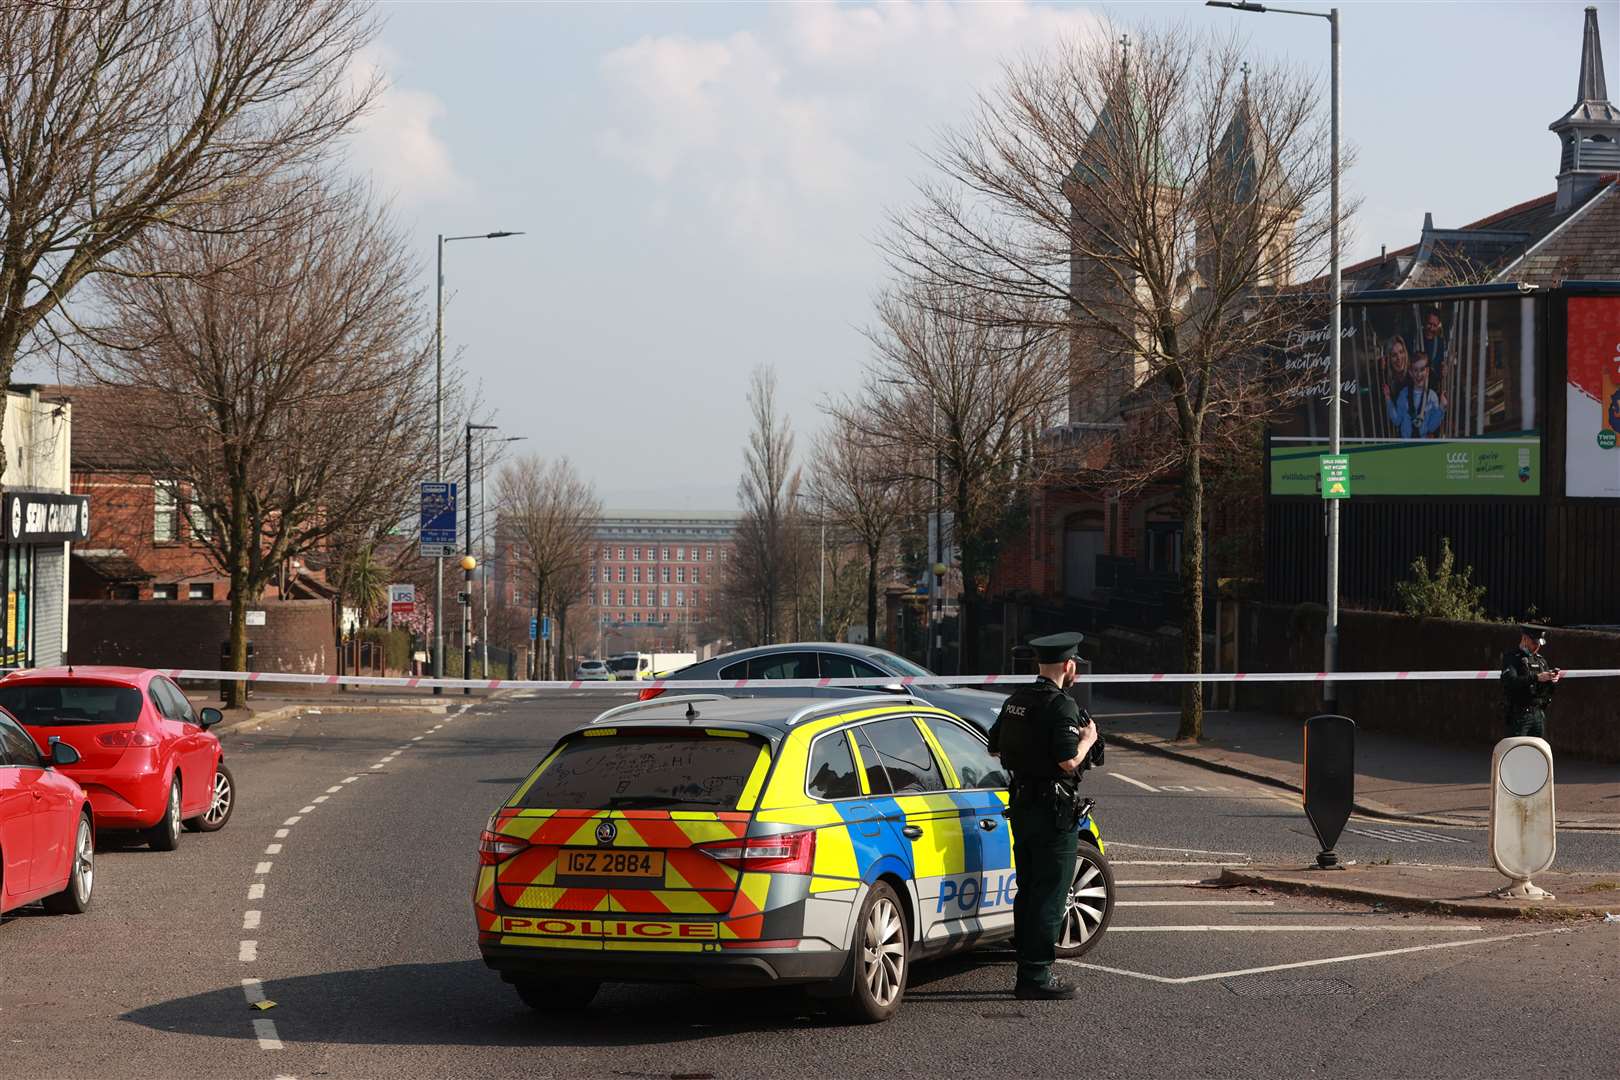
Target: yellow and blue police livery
752, 842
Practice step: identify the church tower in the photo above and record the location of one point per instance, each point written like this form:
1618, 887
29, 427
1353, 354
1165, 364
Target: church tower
1589, 134
1247, 173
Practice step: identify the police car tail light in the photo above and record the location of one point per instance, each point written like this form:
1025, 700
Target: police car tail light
493, 848
787, 853
118, 740
650, 692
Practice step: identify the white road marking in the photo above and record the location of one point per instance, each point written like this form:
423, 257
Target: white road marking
295, 819
1362, 928
262, 868
256, 891
1146, 882
350, 779
1194, 903
250, 919
1128, 780
307, 810
436, 727
417, 738
320, 799
334, 789
407, 746
253, 990
1186, 979
272, 849
281, 834
1408, 836
265, 1029
247, 950
1177, 850
1167, 862
380, 764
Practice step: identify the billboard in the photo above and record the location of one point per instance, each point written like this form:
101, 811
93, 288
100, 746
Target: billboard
1439, 398
1592, 398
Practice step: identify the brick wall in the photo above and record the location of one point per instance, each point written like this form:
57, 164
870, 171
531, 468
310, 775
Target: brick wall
296, 637
1585, 716
123, 518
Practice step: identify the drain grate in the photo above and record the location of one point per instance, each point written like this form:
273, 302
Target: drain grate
1286, 986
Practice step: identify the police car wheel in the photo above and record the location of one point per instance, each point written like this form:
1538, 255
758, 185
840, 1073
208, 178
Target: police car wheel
1090, 905
556, 995
878, 959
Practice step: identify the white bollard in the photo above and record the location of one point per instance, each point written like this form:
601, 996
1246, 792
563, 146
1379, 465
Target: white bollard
1524, 827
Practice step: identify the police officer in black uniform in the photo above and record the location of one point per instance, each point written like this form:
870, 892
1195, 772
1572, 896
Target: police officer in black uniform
1043, 737
1527, 684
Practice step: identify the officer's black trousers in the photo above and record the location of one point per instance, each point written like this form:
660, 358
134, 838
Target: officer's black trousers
1044, 857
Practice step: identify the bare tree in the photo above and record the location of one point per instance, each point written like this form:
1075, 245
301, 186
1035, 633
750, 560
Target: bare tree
1153, 206
121, 115
853, 488
759, 572
275, 374
953, 401
552, 513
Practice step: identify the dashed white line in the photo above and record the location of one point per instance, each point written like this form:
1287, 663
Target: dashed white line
1147, 882
1177, 850
380, 764
350, 779
253, 990
247, 951
1128, 780
1168, 862
334, 789
1359, 928
256, 891
272, 849
265, 1029
417, 738
295, 819
262, 868
281, 834
250, 919
307, 810
320, 799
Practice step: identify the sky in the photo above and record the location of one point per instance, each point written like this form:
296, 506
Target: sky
700, 186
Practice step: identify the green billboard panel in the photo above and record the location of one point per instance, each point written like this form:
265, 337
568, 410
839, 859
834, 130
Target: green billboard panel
1507, 466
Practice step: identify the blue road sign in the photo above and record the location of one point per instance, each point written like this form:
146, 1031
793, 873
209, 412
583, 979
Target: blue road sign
438, 525
545, 628
533, 623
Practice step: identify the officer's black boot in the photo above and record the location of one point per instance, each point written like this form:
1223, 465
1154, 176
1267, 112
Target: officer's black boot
1055, 990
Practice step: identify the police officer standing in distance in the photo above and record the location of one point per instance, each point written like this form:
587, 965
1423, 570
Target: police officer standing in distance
1043, 737
1527, 684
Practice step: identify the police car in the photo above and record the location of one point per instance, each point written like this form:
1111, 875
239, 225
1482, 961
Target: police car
758, 842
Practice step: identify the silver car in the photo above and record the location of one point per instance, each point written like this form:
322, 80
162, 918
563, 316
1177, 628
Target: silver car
592, 670
833, 660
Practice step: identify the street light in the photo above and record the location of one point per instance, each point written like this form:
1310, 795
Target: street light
438, 437
467, 500
1330, 639
468, 565
821, 596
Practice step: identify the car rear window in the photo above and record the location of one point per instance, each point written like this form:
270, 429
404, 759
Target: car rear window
60, 704
646, 771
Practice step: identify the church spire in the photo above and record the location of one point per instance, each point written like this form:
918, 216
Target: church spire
1589, 134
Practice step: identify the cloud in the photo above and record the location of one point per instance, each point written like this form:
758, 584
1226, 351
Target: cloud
395, 142
791, 140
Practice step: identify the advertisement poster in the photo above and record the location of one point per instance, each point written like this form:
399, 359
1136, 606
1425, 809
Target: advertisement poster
1438, 398
1592, 395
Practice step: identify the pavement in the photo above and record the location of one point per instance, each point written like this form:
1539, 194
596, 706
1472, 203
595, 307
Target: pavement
1397, 778
1447, 890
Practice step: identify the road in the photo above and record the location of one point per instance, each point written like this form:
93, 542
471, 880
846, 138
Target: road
340, 892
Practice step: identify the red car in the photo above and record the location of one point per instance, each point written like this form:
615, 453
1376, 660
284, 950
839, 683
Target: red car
47, 830
147, 758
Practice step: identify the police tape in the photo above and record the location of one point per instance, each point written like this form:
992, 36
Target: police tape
897, 682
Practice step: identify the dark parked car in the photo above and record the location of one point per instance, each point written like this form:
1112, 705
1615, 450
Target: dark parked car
831, 660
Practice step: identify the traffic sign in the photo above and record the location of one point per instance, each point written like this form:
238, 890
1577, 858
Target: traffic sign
401, 599
1335, 476
438, 521
533, 627
545, 628
1330, 780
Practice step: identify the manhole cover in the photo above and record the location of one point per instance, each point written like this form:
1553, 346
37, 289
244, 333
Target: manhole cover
1286, 986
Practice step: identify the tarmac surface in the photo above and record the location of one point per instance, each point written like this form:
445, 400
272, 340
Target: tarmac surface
339, 891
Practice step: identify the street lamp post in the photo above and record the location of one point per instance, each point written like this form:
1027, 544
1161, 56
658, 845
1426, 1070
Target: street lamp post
468, 565
467, 498
1330, 639
438, 435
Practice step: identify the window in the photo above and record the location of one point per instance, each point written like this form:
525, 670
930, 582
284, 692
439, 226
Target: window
666, 553
200, 590
607, 553
590, 598
835, 666
17, 746
797, 665
969, 756
635, 618
197, 517
620, 574
680, 554
56, 704
165, 592
665, 601
680, 575
680, 597
621, 598
722, 554
635, 553
832, 769
635, 574
593, 575
708, 553
647, 769
607, 597
635, 597
697, 575
665, 575
903, 754
621, 554
165, 508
